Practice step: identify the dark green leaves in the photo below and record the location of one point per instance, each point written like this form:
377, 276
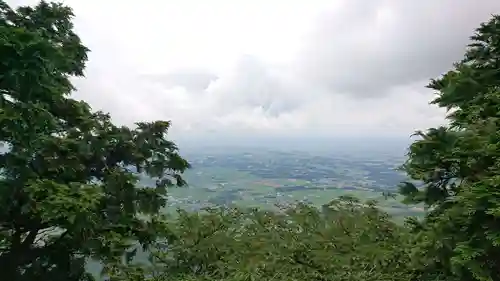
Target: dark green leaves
67, 192
459, 167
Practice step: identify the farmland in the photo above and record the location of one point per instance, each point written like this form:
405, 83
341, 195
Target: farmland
264, 178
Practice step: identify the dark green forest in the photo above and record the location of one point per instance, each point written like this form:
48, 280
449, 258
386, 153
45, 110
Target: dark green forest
70, 192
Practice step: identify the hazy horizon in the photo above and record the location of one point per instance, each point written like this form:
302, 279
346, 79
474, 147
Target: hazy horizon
324, 145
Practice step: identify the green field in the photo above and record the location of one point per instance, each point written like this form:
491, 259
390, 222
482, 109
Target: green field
226, 186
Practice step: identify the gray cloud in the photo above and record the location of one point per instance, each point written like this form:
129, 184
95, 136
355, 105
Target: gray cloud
324, 67
366, 47
254, 84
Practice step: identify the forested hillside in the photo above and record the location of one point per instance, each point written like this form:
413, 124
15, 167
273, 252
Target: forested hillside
68, 194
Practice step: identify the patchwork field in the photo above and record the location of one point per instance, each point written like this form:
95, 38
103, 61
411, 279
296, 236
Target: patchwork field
266, 178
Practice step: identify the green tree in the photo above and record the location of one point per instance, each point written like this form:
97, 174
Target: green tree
344, 240
68, 187
459, 166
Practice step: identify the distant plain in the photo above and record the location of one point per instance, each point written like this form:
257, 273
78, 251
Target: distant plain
261, 177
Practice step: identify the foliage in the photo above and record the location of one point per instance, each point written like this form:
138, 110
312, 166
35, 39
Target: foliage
344, 240
460, 168
69, 187
68, 190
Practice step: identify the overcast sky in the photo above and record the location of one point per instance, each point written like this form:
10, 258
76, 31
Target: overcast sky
294, 67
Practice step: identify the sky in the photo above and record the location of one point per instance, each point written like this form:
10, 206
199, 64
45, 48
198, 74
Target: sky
224, 69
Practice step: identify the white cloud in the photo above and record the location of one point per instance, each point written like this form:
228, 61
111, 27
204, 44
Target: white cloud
272, 66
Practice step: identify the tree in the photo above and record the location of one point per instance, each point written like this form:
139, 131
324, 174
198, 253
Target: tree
459, 166
344, 240
68, 187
